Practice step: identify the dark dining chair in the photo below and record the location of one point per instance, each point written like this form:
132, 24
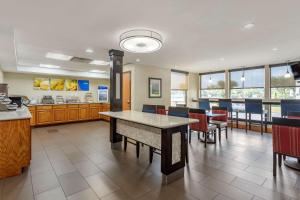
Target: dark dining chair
227, 103
220, 121
201, 126
204, 104
149, 108
254, 106
286, 139
178, 111
294, 115
289, 105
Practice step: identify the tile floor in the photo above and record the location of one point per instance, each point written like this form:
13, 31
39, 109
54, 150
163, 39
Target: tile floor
75, 162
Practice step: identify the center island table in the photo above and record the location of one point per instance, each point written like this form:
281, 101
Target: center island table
165, 133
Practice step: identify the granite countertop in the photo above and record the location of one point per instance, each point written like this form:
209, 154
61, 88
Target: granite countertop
154, 120
20, 113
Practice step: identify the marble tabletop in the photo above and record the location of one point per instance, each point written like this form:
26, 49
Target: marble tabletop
20, 113
154, 120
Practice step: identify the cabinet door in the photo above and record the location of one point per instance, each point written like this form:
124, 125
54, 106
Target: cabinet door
73, 114
33, 115
84, 113
59, 115
94, 112
44, 116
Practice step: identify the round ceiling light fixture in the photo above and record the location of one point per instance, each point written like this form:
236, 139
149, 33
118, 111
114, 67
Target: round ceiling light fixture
140, 41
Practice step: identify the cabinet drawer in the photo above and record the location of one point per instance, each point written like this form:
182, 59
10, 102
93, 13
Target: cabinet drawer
84, 105
73, 106
59, 106
44, 107
94, 105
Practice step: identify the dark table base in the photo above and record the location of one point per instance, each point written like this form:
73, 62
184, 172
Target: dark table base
292, 163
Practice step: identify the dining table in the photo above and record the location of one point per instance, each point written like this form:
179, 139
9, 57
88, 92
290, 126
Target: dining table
162, 132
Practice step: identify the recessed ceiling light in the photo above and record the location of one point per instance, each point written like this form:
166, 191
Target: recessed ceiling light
275, 49
140, 41
137, 60
58, 56
249, 26
99, 62
49, 66
97, 71
89, 50
222, 59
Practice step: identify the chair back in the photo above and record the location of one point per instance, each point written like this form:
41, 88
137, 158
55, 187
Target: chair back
291, 105
178, 112
294, 115
149, 108
220, 110
253, 106
204, 104
161, 109
226, 103
286, 136
199, 114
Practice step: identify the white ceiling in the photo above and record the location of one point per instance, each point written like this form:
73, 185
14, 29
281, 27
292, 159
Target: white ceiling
196, 33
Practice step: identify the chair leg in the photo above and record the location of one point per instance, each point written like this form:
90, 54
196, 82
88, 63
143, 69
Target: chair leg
187, 154
220, 134
237, 119
231, 120
198, 135
190, 135
261, 125
246, 127
125, 143
151, 149
274, 163
205, 139
137, 149
226, 132
215, 135
250, 122
279, 160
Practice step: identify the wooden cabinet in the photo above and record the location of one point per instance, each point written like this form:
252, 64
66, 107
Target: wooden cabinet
15, 146
32, 110
73, 112
44, 115
94, 111
59, 113
84, 112
53, 114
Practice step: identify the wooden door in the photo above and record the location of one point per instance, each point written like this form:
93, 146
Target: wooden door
126, 101
44, 115
84, 112
73, 112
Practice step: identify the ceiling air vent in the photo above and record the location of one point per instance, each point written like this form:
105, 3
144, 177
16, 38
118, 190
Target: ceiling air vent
81, 60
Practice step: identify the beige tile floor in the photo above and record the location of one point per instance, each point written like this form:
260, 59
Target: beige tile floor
75, 162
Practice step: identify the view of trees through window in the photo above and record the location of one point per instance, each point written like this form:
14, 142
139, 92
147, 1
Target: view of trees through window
248, 83
283, 84
212, 85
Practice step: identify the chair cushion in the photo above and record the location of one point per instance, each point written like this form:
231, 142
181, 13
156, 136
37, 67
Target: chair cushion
220, 124
211, 127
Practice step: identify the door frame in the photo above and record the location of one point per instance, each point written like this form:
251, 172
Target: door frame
129, 72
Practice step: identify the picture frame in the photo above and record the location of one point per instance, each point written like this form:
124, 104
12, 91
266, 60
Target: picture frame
154, 87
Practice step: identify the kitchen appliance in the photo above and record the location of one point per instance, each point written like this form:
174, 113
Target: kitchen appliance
47, 99
72, 99
59, 99
16, 100
89, 97
103, 93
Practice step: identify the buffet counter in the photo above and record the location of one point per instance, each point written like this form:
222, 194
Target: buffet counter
15, 141
46, 114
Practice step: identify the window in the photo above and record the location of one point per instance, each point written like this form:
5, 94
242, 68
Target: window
179, 86
212, 85
283, 84
247, 83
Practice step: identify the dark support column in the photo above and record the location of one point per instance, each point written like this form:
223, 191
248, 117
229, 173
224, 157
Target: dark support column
116, 77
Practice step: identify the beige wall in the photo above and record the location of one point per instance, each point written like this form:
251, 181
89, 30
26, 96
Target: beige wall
193, 90
21, 84
139, 85
1, 76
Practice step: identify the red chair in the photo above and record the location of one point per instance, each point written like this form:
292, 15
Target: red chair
286, 139
202, 125
220, 121
160, 109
